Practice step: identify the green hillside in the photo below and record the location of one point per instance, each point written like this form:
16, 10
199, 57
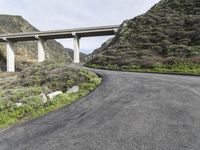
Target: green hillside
166, 39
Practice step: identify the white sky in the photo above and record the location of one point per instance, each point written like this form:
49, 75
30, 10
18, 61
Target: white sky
64, 14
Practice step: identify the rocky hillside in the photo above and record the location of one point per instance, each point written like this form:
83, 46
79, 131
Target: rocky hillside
26, 52
169, 33
83, 56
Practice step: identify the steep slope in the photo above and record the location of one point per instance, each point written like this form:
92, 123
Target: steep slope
83, 56
167, 34
26, 52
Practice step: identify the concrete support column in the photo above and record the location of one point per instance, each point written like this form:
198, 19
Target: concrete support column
76, 48
10, 56
41, 52
115, 31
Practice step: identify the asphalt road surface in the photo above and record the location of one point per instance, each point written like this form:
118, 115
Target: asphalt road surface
128, 111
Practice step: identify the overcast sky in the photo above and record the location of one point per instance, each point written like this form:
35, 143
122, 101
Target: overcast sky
64, 14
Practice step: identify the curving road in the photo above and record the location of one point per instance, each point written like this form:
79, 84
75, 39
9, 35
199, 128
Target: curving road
128, 111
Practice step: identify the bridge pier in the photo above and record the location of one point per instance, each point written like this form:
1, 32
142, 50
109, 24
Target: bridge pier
41, 37
10, 56
76, 48
41, 52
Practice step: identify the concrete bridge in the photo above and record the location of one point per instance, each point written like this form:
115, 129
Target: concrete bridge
42, 36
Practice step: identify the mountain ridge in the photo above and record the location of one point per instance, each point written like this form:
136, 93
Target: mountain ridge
83, 56
26, 52
167, 34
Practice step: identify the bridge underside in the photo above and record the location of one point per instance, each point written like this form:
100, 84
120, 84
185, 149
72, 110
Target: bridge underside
41, 37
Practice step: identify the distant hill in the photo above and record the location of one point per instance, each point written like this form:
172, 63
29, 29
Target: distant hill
26, 52
83, 56
169, 33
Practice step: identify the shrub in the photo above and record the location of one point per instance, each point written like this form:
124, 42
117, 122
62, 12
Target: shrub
195, 51
28, 92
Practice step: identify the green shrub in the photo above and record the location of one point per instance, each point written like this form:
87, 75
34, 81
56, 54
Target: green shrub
28, 92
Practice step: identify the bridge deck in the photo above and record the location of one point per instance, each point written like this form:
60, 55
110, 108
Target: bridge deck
59, 34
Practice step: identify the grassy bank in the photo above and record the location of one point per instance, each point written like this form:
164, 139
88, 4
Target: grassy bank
192, 69
42, 79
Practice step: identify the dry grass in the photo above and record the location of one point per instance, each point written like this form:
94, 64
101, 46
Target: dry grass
7, 74
6, 78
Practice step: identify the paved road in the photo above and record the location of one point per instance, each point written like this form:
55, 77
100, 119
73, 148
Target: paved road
129, 111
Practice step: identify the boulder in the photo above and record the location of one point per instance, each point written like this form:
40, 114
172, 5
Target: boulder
19, 104
54, 94
74, 89
43, 97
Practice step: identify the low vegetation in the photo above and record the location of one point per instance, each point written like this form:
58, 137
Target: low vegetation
190, 69
45, 78
164, 39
